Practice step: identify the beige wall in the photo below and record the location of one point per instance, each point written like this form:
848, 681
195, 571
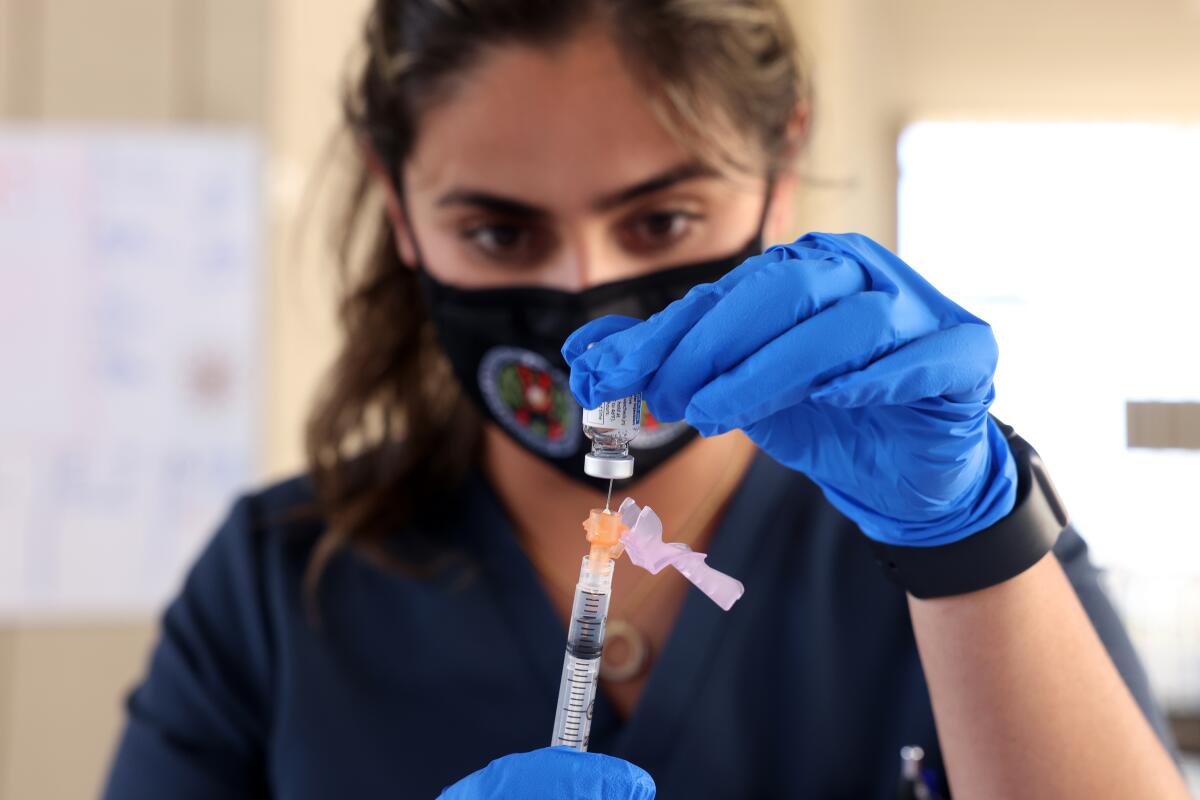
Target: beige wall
61, 713
310, 46
880, 63
273, 64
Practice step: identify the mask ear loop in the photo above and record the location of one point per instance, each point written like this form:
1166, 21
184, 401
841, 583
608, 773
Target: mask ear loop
390, 173
410, 231
759, 241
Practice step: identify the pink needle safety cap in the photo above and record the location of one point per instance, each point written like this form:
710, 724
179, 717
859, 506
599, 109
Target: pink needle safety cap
645, 546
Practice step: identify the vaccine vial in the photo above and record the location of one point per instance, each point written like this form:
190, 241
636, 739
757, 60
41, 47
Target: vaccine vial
611, 426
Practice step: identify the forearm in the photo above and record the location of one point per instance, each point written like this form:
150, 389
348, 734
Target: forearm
1028, 703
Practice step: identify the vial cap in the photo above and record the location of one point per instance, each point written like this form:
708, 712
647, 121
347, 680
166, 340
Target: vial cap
608, 467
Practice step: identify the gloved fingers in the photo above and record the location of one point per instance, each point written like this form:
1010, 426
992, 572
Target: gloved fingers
803, 437
955, 365
889, 273
555, 772
596, 330
877, 260
844, 338
763, 305
624, 358
620, 363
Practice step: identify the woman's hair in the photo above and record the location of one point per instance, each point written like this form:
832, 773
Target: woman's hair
390, 430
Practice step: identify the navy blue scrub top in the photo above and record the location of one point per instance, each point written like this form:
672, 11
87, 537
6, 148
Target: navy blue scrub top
808, 687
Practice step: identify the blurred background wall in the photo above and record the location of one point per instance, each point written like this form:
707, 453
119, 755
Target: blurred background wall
271, 67
268, 68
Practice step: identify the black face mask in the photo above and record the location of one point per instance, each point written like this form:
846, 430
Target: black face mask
503, 345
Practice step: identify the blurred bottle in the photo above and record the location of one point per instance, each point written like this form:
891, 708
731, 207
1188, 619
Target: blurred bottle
912, 784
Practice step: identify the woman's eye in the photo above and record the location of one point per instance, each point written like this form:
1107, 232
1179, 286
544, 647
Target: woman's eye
509, 242
656, 231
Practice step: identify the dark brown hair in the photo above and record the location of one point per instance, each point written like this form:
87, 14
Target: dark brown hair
391, 429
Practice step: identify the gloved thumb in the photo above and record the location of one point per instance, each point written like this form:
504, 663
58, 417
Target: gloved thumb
555, 773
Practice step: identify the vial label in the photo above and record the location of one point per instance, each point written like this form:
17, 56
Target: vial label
623, 413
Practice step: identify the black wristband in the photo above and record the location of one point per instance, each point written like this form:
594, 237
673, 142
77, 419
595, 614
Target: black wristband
994, 554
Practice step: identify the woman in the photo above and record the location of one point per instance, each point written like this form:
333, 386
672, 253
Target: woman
544, 164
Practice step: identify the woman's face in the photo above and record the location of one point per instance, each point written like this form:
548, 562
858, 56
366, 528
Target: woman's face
549, 167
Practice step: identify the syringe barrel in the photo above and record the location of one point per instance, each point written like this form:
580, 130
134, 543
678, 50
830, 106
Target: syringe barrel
581, 664
576, 700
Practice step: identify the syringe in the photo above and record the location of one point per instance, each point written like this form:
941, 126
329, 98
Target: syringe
610, 534
581, 665
585, 638
610, 426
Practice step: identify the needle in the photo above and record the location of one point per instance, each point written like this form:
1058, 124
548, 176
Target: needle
608, 499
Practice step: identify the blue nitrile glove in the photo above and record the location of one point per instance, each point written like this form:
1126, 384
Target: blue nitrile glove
839, 361
555, 773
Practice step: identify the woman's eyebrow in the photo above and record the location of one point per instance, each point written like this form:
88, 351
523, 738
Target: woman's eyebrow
491, 202
512, 207
663, 180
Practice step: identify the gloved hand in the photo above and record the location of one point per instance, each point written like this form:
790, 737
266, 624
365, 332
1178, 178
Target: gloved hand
838, 360
554, 773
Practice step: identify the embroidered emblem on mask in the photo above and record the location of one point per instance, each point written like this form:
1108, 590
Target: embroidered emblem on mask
529, 397
655, 433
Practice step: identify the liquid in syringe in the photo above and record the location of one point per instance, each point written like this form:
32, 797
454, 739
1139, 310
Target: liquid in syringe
585, 638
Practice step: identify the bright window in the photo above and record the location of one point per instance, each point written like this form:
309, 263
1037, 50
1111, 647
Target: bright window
1080, 244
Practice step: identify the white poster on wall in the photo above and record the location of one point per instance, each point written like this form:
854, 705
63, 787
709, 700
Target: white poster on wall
130, 270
